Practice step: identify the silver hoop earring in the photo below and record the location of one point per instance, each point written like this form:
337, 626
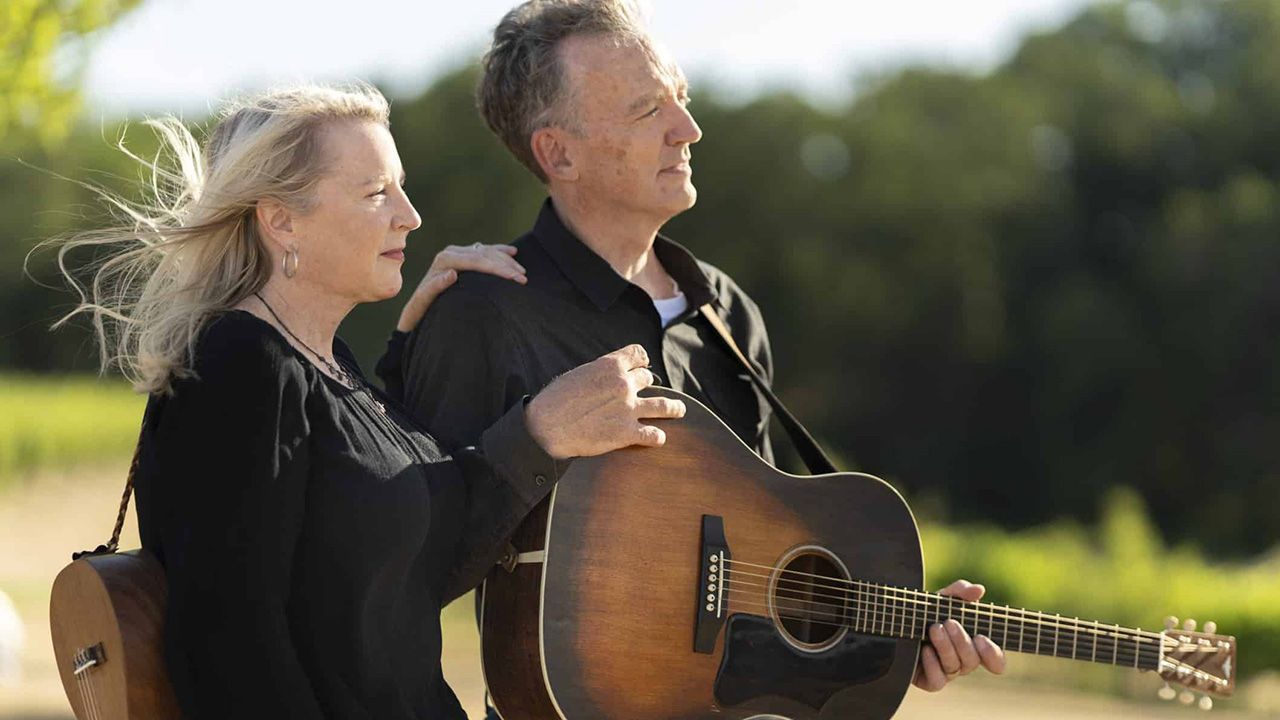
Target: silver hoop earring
289, 263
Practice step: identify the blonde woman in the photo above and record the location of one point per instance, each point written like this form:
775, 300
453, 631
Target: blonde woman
309, 530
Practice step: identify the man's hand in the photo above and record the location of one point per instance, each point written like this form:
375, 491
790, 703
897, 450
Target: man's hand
950, 652
595, 408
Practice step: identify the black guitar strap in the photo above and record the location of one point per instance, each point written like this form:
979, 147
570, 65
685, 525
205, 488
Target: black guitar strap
812, 455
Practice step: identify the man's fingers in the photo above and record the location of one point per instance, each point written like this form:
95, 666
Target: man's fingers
940, 638
650, 436
968, 654
660, 408
929, 673
631, 357
964, 590
992, 654
640, 378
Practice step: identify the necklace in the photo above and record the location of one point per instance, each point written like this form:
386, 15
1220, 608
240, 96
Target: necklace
334, 367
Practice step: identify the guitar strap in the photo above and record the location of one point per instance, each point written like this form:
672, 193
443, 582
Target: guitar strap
114, 543
812, 455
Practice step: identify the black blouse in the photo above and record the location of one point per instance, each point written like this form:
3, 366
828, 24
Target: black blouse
311, 533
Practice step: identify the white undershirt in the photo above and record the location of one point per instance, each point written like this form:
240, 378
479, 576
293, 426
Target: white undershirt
670, 308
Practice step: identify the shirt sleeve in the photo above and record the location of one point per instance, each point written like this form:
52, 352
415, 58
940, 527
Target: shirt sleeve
232, 448
506, 476
463, 368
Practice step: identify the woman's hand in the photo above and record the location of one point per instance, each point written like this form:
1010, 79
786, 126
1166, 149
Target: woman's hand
594, 408
493, 259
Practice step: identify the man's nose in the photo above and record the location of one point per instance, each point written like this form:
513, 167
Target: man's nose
686, 130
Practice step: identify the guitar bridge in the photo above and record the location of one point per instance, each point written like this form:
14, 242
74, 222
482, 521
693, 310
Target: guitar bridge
87, 658
710, 591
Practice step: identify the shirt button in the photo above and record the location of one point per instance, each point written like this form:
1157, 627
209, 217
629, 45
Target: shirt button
540, 480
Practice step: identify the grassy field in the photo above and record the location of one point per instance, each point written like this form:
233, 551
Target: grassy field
50, 423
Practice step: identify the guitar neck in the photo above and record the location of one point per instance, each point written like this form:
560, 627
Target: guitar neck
899, 612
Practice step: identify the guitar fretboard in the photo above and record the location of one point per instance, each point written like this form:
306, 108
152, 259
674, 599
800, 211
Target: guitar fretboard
888, 611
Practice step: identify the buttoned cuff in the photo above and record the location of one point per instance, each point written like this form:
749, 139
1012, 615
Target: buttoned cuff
513, 452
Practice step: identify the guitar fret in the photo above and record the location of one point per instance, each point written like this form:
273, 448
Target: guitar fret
1022, 627
1115, 646
1075, 638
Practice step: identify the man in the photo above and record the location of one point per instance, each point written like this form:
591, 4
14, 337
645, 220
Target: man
588, 102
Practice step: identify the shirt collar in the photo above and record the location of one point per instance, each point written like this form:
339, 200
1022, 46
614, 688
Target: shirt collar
602, 285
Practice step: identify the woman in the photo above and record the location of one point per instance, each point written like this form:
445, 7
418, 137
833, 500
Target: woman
310, 532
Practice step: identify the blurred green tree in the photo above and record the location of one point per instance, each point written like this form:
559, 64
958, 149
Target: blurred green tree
42, 54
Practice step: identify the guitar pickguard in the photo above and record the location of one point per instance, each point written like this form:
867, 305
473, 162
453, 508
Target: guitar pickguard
758, 662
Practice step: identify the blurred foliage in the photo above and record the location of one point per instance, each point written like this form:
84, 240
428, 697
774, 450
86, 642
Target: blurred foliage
42, 54
1004, 293
55, 423
1119, 572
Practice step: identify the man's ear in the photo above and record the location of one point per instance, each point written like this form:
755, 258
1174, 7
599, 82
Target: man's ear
554, 154
276, 223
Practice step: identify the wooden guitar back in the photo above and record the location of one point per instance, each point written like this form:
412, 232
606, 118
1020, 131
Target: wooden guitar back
110, 610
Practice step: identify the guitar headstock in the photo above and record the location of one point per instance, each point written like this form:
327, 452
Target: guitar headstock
1200, 661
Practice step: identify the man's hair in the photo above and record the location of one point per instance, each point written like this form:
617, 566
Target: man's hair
523, 86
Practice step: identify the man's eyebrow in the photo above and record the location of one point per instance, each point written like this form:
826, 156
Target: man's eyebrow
641, 102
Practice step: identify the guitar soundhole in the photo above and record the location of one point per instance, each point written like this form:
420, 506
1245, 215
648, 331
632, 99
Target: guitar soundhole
809, 598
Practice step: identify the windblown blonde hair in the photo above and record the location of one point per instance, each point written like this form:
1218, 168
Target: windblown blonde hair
194, 249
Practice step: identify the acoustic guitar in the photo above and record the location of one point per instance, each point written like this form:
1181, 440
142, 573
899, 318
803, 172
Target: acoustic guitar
697, 582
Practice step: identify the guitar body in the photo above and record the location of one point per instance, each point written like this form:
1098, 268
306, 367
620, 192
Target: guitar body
605, 627
106, 616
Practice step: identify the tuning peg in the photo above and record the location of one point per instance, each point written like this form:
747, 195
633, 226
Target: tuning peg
1211, 627
1189, 625
1166, 692
1170, 622
1206, 702
1186, 697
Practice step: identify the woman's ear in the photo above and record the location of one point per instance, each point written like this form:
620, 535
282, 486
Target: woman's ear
554, 154
276, 223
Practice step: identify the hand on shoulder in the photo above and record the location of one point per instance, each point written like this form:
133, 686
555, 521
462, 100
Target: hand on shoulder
496, 260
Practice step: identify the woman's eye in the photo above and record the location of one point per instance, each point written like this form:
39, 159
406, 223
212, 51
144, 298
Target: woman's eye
651, 113
381, 191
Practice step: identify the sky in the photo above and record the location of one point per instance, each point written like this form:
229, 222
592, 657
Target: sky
183, 55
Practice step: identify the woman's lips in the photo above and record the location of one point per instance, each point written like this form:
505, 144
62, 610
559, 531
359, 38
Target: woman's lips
394, 254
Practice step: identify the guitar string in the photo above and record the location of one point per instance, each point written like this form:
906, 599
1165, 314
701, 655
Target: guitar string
978, 610
91, 678
885, 626
84, 703
93, 696
905, 593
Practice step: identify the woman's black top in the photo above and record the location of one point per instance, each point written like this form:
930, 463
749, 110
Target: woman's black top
310, 533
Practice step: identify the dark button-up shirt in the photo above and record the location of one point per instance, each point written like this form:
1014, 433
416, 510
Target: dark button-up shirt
487, 342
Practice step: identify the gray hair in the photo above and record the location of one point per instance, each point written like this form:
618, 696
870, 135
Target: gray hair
522, 88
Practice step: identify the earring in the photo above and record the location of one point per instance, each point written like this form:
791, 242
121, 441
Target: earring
289, 263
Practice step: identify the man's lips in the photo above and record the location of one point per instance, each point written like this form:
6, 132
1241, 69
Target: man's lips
397, 254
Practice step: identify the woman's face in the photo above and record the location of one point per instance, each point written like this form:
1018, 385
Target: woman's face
353, 240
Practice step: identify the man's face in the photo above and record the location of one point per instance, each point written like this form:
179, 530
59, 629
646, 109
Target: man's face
632, 153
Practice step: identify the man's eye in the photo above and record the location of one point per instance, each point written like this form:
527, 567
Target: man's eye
651, 113
380, 191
